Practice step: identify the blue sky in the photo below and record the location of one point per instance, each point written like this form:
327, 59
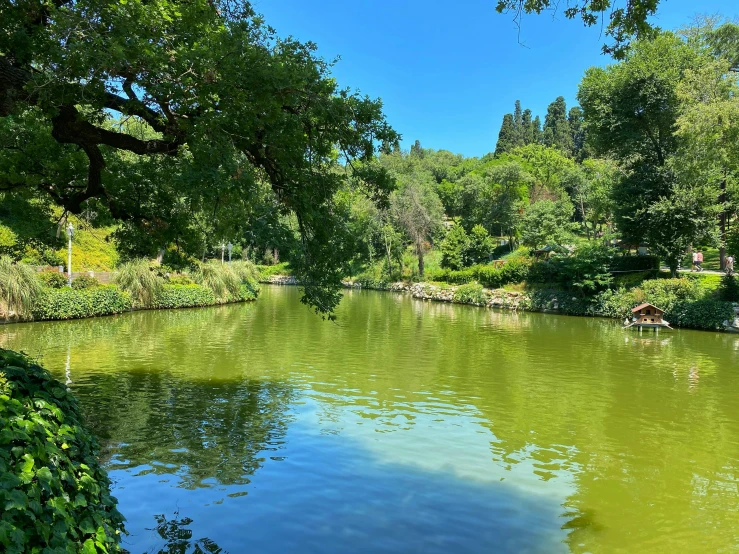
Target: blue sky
448, 70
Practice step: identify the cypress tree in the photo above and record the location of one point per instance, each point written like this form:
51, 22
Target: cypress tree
527, 127
557, 132
518, 124
507, 135
577, 129
536, 131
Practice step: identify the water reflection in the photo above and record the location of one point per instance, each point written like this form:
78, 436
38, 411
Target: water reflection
178, 537
459, 428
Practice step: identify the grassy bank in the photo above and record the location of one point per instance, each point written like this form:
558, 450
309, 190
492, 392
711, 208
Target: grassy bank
29, 296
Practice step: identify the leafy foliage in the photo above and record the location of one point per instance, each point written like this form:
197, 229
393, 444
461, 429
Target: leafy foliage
133, 118
68, 303
84, 282
55, 495
454, 248
184, 296
729, 289
471, 293
53, 279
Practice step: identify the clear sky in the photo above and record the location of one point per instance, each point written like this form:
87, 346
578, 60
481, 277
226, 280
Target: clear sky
448, 70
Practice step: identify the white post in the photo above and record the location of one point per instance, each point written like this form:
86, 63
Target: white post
230, 247
70, 232
223, 249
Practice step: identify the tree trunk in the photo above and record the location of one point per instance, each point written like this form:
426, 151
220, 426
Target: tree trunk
722, 224
584, 218
419, 253
388, 247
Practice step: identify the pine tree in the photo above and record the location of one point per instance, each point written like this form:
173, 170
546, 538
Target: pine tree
507, 135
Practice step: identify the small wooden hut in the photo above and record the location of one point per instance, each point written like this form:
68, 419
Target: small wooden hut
649, 316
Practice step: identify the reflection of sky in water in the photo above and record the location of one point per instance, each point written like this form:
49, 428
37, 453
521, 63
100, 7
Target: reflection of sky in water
345, 487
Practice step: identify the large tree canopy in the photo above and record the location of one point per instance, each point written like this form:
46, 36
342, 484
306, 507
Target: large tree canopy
157, 110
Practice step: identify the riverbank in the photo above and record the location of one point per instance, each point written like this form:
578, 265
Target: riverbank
673, 294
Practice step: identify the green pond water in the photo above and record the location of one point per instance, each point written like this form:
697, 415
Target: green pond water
404, 427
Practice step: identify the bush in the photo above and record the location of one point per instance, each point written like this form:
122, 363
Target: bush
585, 272
471, 293
53, 279
69, 303
729, 289
702, 314
19, 287
139, 281
55, 495
85, 282
266, 271
634, 263
454, 248
184, 296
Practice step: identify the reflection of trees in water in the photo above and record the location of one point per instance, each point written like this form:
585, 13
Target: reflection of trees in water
196, 430
626, 417
179, 539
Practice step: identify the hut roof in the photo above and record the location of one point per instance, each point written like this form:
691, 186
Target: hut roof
640, 307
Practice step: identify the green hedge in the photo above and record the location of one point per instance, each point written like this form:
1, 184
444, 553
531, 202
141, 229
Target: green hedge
69, 303
634, 263
515, 270
53, 493
703, 314
184, 296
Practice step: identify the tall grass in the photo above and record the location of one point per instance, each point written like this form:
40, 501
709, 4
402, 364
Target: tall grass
137, 278
19, 287
246, 271
219, 278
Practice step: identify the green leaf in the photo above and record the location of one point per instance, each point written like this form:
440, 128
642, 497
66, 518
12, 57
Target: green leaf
88, 547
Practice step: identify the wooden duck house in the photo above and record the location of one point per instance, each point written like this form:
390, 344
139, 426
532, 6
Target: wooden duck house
649, 316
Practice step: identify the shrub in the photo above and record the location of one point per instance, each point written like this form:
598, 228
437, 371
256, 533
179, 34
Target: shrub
138, 280
480, 246
702, 314
184, 296
454, 248
69, 303
586, 271
666, 293
85, 282
53, 279
729, 289
471, 293
55, 495
266, 271
180, 279
219, 278
634, 263
19, 287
